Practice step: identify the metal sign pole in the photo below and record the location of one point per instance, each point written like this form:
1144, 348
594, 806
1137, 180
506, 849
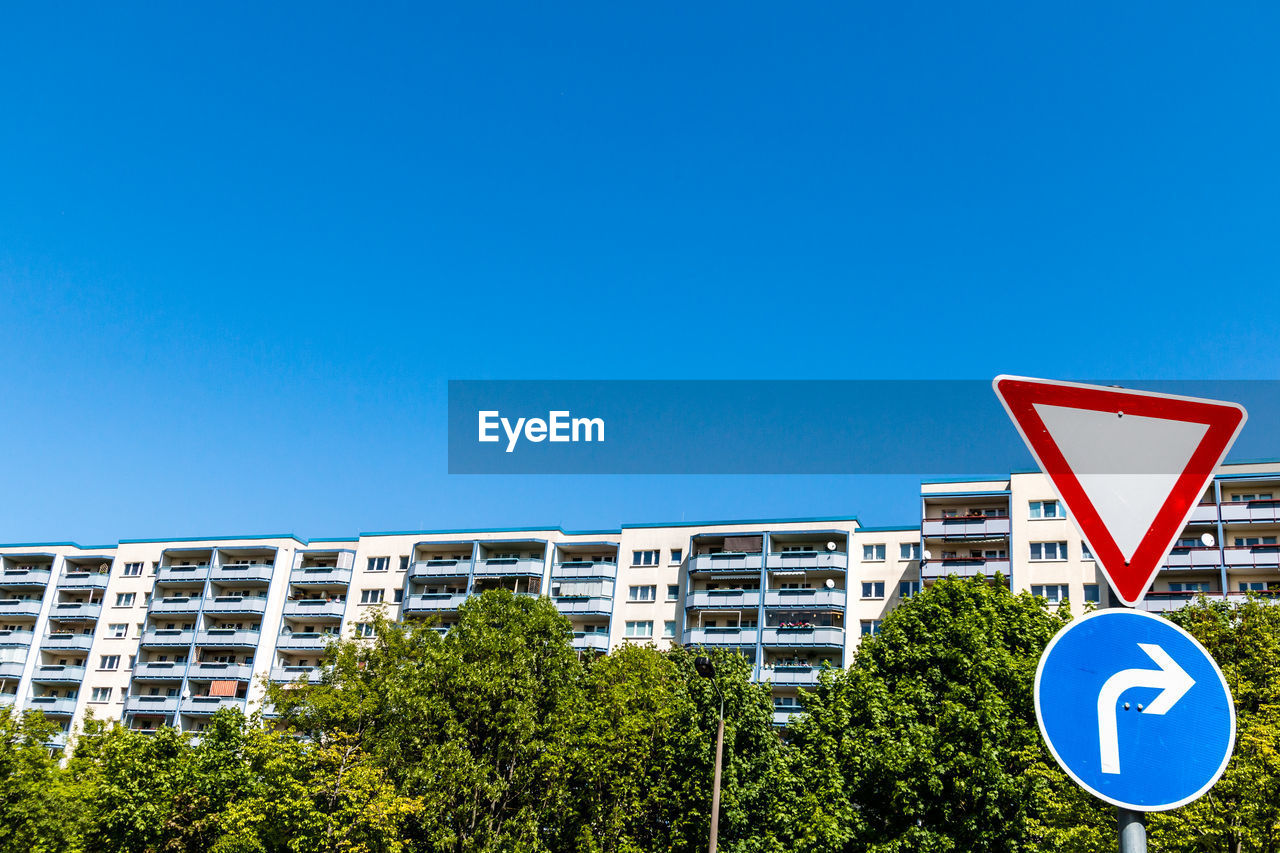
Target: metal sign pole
1131, 826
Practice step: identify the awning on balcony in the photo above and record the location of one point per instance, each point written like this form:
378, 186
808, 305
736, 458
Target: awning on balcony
222, 688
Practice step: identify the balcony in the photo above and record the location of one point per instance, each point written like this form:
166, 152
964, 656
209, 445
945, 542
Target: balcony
782, 716
1235, 511
159, 670
965, 527
806, 599
314, 608
11, 637
236, 605
227, 638
305, 641
572, 604
12, 669
168, 637
204, 706
175, 605
964, 567
214, 671
320, 576
511, 567
590, 640
66, 641
812, 560
443, 568
1204, 514
248, 573
583, 569
76, 611
26, 577
432, 602
7, 699
182, 574
154, 705
19, 608
293, 673
720, 637
722, 599
1193, 558
84, 580
813, 635
57, 674
1163, 602
726, 562
57, 706
791, 676
1257, 556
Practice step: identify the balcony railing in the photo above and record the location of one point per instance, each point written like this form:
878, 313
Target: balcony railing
965, 527
320, 576
157, 705
583, 569
1250, 511
813, 635
726, 599
781, 716
186, 605
13, 637
594, 640
19, 607
61, 706
293, 673
834, 560
168, 637
965, 567
314, 608
570, 604
84, 580
182, 574
790, 676
443, 568
159, 670
432, 602
726, 562
305, 641
1193, 558
720, 637
511, 566
12, 669
58, 673
26, 577
1204, 513
251, 573
1163, 602
1260, 556
201, 706
236, 604
227, 638
214, 671
66, 640
806, 599
76, 610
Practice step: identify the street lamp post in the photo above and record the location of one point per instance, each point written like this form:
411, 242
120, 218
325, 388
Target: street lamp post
705, 668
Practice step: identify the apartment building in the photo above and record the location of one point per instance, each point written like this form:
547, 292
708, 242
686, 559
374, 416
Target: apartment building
165, 632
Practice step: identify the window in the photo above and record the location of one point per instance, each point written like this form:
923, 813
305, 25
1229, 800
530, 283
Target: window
379, 564
640, 629
364, 629
1053, 593
1047, 509
370, 596
101, 694
1085, 554
118, 630
870, 627
398, 596
644, 558
109, 662
668, 629
1264, 496
909, 551
1189, 586
873, 552
673, 591
1253, 586
1254, 541
1091, 593
677, 554
643, 593
124, 599
132, 570
404, 563
906, 589
1048, 550
873, 589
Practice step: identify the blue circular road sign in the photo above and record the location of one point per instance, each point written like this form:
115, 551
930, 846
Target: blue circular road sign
1135, 710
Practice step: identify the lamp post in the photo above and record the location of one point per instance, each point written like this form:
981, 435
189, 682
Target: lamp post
705, 668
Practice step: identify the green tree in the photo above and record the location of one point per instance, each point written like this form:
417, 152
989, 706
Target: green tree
41, 809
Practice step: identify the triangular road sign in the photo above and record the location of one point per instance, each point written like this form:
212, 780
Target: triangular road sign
1130, 466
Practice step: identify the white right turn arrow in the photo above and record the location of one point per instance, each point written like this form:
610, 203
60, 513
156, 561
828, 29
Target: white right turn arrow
1173, 680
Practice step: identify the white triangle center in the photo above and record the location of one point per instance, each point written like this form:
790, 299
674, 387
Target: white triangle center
1126, 465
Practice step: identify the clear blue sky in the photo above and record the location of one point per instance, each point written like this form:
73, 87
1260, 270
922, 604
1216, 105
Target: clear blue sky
243, 247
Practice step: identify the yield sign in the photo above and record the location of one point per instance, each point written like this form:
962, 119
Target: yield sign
1130, 466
